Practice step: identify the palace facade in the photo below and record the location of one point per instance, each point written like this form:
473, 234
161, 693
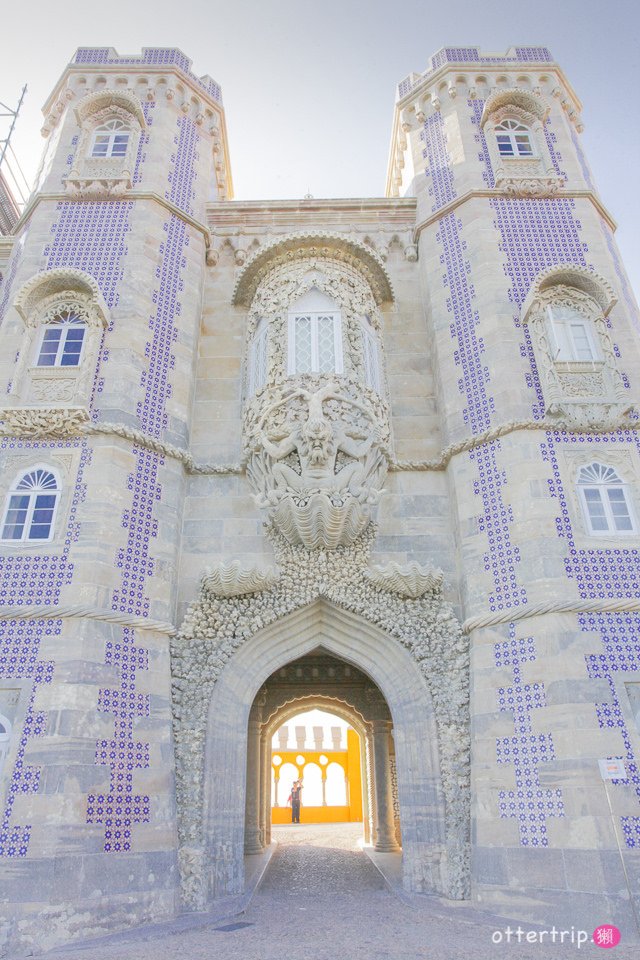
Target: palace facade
373, 456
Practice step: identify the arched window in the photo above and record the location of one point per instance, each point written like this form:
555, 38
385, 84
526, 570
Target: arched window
315, 335
110, 139
258, 358
5, 740
514, 139
64, 317
336, 788
31, 506
573, 336
370, 355
62, 340
604, 500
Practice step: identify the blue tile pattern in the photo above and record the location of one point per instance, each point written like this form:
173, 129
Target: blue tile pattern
20, 642
120, 808
620, 633
529, 803
495, 516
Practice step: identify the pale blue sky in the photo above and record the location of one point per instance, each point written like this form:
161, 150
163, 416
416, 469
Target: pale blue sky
309, 87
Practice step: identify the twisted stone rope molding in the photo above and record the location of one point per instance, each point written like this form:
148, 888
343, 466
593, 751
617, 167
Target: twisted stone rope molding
551, 606
164, 449
494, 433
141, 439
33, 612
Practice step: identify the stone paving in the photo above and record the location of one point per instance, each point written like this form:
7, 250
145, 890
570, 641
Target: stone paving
323, 899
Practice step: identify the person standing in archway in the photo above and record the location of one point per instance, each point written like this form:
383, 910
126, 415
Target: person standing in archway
295, 798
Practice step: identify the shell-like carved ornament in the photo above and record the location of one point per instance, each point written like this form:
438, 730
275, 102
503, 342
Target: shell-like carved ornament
233, 579
410, 580
321, 521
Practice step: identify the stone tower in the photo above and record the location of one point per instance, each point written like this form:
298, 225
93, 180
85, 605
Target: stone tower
377, 456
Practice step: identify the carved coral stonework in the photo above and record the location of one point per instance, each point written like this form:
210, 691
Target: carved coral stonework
214, 629
43, 421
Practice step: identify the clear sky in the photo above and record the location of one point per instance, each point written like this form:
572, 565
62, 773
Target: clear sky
309, 85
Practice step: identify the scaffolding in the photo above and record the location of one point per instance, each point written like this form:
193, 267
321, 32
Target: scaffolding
14, 188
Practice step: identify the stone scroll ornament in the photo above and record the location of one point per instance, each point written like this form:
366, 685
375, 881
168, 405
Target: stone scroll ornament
317, 457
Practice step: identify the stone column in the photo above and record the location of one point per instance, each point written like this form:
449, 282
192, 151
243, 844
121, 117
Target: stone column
266, 789
385, 833
253, 834
368, 793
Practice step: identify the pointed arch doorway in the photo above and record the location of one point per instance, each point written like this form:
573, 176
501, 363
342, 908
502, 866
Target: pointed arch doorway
324, 682
233, 745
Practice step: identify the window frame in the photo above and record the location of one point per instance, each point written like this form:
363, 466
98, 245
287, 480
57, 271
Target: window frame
563, 337
314, 316
258, 358
610, 517
65, 326
512, 134
112, 136
31, 507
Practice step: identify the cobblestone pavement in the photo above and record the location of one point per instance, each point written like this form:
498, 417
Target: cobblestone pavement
323, 899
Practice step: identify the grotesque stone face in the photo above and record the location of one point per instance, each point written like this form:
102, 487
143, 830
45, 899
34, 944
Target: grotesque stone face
317, 441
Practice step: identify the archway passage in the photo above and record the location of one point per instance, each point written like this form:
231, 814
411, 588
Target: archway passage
324, 752
323, 681
234, 814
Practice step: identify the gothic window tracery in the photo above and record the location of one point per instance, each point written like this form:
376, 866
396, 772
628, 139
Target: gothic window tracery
31, 506
604, 499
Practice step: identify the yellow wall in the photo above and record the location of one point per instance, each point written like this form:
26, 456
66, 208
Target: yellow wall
348, 759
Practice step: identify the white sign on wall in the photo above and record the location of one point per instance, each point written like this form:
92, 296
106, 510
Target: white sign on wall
612, 769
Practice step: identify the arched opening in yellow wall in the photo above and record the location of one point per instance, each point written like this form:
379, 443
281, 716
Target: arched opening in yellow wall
324, 751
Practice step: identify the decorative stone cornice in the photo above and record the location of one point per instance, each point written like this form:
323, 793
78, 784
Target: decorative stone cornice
124, 100
408, 580
65, 281
234, 580
293, 246
525, 100
572, 275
